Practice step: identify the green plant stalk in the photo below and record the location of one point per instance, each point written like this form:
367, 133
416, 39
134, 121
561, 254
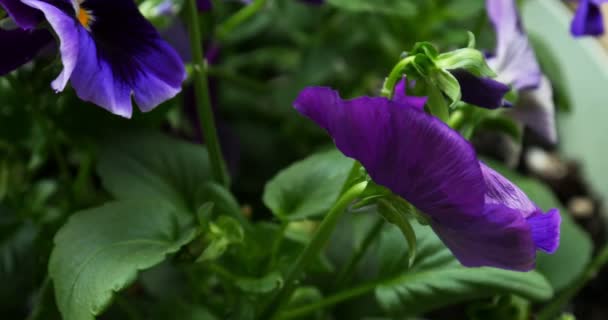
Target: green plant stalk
201, 88
348, 269
388, 89
239, 17
311, 251
330, 301
45, 294
457, 119
553, 309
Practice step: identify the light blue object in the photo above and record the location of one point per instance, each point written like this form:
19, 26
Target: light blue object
583, 132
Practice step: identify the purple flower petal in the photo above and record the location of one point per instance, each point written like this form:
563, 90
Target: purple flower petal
204, 5
502, 191
25, 16
501, 239
588, 19
67, 30
535, 109
116, 55
402, 97
482, 92
545, 229
483, 218
25, 44
412, 153
516, 64
514, 60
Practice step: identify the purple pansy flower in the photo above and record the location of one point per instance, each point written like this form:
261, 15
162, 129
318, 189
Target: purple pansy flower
588, 20
109, 51
515, 63
483, 218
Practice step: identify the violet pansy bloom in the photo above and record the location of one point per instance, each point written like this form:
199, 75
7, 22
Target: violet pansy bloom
110, 52
483, 218
588, 20
515, 63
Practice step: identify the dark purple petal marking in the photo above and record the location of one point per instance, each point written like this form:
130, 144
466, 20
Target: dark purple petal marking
588, 19
113, 53
412, 153
25, 16
501, 239
204, 5
23, 47
482, 92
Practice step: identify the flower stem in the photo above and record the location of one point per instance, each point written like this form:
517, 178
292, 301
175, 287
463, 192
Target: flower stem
551, 310
348, 269
239, 17
311, 251
330, 301
388, 89
201, 87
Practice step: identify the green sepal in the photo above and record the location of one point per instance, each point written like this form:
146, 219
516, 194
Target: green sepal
222, 233
469, 59
425, 48
204, 214
437, 104
398, 215
448, 84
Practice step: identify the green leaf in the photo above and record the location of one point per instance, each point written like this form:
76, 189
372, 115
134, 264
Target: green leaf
437, 279
400, 8
149, 165
305, 296
265, 284
575, 248
99, 251
308, 187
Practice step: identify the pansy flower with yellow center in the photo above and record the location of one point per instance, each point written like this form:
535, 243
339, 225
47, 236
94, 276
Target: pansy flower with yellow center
110, 52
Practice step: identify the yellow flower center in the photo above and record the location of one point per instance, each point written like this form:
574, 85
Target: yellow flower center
85, 17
